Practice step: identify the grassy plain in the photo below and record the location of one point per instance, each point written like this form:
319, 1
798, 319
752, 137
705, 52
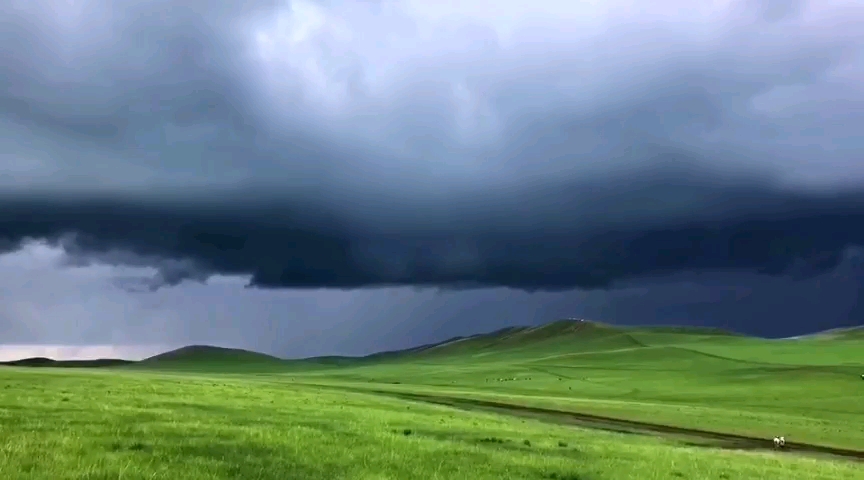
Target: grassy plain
516, 409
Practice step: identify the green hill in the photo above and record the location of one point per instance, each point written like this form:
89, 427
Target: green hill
207, 357
580, 334
564, 336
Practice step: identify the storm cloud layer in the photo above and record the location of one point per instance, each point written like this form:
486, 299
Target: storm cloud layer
535, 145
47, 309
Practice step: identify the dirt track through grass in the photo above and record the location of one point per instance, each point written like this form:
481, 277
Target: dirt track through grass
690, 435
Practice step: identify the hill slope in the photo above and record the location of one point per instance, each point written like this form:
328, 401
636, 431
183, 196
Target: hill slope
847, 333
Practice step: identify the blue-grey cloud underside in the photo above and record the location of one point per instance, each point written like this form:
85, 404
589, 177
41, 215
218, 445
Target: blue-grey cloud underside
283, 141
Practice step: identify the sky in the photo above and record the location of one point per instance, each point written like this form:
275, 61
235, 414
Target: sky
319, 177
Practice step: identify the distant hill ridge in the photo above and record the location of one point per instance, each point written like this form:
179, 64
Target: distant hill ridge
48, 362
570, 329
838, 333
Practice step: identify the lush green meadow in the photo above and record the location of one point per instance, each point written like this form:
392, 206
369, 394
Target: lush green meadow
209, 414
809, 390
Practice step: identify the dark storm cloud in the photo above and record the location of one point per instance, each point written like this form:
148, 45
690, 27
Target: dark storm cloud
281, 141
802, 236
76, 308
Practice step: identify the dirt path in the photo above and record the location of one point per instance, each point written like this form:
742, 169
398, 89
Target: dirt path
687, 435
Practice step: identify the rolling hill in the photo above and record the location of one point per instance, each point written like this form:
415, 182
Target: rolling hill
562, 338
198, 356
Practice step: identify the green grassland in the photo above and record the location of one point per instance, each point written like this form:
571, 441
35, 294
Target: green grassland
569, 400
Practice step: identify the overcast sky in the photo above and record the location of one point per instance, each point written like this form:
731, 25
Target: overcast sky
321, 177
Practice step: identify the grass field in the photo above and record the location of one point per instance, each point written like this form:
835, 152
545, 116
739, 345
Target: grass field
570, 400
